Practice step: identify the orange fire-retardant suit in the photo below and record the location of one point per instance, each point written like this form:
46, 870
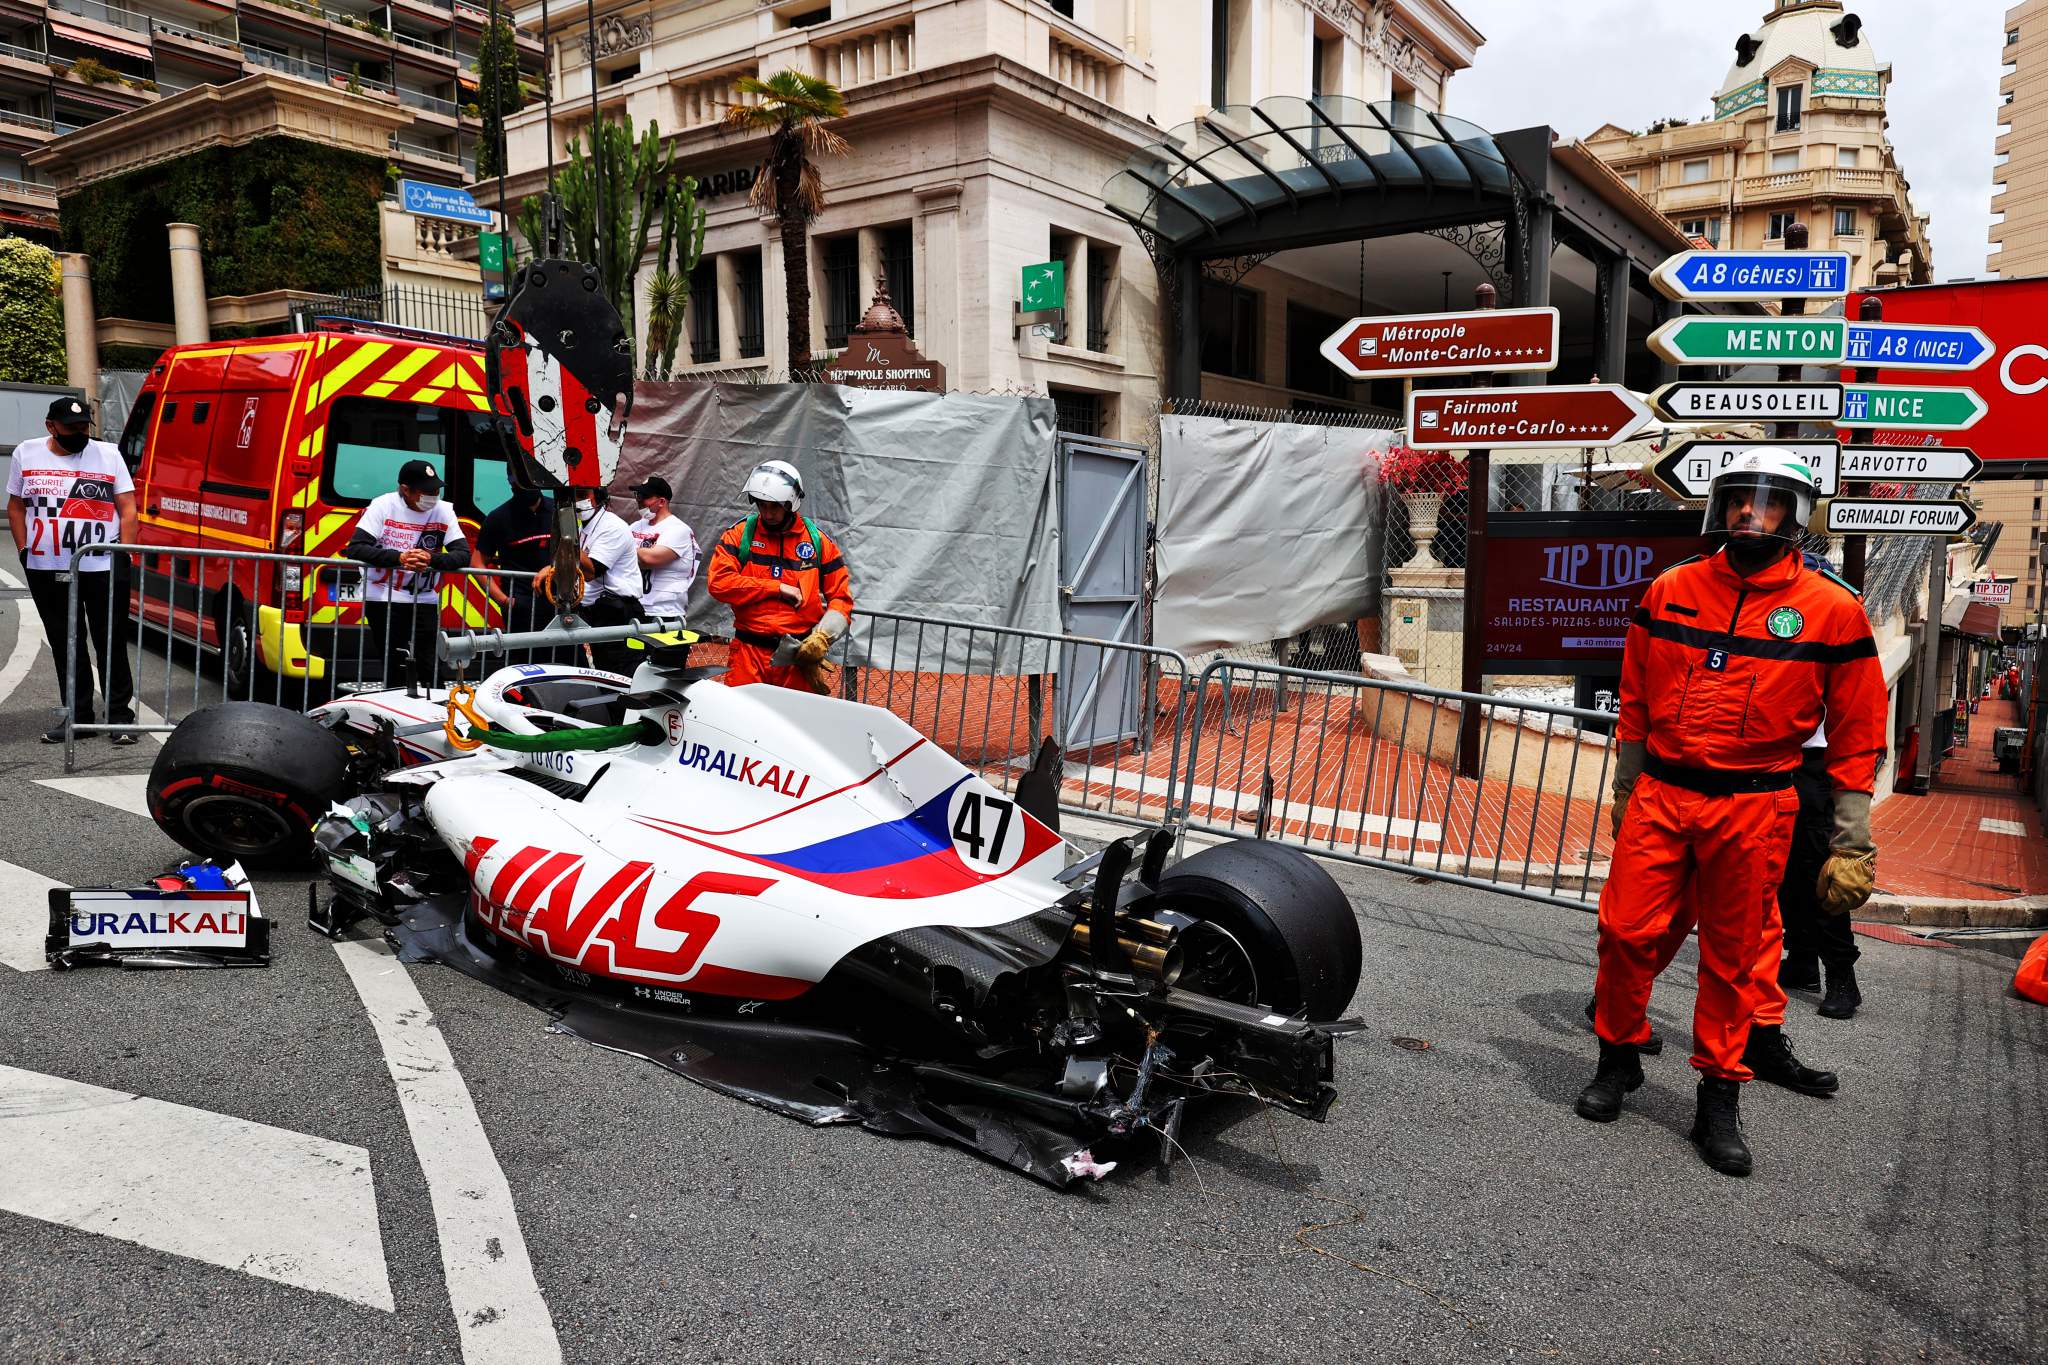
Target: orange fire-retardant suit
749, 578
1723, 679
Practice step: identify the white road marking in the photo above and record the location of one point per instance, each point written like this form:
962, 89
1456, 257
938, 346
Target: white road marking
498, 1306
24, 917
122, 791
28, 639
266, 1201
1991, 826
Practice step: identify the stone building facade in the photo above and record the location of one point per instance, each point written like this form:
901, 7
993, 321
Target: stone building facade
982, 132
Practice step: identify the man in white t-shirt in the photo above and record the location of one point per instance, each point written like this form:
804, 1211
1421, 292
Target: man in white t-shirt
409, 538
668, 550
68, 490
610, 568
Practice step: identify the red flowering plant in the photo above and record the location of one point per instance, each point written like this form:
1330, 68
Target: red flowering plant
1408, 470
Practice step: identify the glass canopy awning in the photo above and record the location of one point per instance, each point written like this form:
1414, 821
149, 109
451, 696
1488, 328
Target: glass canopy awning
1245, 162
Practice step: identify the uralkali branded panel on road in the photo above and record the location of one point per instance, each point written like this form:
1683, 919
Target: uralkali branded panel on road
1754, 275
2012, 436
1495, 419
1700, 401
1445, 343
1898, 517
1559, 592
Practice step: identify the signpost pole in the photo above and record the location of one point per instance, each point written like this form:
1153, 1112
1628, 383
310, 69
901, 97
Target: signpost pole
1853, 547
1472, 671
1795, 240
1930, 659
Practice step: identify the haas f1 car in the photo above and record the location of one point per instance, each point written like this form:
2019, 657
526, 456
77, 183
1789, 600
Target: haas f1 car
793, 899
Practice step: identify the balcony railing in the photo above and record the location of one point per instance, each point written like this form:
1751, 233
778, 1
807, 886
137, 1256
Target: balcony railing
422, 45
358, 22
104, 13
40, 124
704, 99
28, 189
433, 104
1813, 181
435, 154
1081, 68
312, 71
225, 41
864, 57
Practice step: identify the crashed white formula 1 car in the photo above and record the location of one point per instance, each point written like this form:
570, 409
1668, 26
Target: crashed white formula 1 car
796, 900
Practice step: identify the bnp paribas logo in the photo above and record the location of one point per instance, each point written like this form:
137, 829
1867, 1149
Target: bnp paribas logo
1599, 565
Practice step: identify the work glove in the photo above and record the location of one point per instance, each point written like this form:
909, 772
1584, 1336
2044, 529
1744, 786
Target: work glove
822, 677
1629, 757
812, 650
1850, 874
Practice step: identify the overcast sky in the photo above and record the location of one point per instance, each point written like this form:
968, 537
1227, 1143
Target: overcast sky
1576, 64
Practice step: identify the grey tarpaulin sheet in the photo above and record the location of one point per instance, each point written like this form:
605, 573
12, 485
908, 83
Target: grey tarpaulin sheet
942, 502
1265, 529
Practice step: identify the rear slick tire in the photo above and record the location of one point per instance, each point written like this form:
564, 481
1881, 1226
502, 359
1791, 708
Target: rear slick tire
1285, 911
244, 781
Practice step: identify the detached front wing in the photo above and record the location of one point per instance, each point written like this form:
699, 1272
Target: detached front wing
155, 927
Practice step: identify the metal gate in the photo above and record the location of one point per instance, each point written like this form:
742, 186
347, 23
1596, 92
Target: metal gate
1103, 512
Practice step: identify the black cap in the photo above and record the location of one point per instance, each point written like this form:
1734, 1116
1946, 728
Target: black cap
420, 475
654, 486
68, 410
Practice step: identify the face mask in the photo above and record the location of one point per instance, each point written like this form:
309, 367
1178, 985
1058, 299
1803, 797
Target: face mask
71, 441
647, 514
429, 501
586, 508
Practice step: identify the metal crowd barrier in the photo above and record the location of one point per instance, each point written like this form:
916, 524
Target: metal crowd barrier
1368, 771
175, 599
991, 695
1339, 764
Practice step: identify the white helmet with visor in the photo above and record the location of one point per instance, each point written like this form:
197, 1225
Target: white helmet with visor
776, 481
1760, 480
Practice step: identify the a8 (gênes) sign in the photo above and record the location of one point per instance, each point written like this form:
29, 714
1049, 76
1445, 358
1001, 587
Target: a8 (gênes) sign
1445, 343
441, 201
1745, 341
1911, 407
1898, 517
1701, 401
1559, 592
1753, 275
1913, 464
1557, 415
1688, 470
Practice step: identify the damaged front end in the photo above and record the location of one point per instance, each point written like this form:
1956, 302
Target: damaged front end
1058, 1044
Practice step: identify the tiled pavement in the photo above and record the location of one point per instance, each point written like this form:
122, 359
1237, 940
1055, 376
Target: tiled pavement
1976, 836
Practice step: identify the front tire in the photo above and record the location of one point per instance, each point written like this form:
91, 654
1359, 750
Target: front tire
1285, 915
246, 781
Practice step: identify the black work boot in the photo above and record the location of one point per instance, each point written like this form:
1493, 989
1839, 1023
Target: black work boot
1620, 1072
1799, 972
1842, 998
1717, 1126
1769, 1055
1652, 1046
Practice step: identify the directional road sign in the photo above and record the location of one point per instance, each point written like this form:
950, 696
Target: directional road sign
1898, 517
1753, 275
1688, 469
1742, 341
1700, 401
1911, 407
1494, 419
1913, 464
1912, 346
1445, 343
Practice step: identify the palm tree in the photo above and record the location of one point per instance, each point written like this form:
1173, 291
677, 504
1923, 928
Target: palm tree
792, 108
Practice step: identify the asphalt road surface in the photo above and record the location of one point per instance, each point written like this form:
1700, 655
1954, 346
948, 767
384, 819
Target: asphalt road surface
303, 1164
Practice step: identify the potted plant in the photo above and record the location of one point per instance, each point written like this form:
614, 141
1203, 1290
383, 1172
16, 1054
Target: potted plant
1423, 479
